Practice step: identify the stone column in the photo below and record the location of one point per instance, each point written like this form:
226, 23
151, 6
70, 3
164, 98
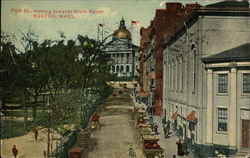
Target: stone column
209, 106
232, 109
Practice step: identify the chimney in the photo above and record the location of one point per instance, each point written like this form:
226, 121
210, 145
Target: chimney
173, 5
192, 6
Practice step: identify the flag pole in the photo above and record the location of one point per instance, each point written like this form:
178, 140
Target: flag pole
98, 32
131, 29
102, 33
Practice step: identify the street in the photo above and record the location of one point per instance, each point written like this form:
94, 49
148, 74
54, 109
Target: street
118, 130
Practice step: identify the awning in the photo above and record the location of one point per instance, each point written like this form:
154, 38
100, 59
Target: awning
151, 75
142, 94
140, 70
174, 116
191, 117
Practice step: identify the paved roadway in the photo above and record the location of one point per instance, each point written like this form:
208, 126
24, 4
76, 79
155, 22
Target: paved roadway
117, 129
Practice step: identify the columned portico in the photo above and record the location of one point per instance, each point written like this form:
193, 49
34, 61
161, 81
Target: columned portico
233, 109
122, 52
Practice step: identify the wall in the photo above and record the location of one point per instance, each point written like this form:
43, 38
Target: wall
210, 35
218, 34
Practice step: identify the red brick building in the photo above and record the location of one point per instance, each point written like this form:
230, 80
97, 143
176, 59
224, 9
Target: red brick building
145, 41
164, 25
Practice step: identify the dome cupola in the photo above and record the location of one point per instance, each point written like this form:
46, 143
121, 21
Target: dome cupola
122, 31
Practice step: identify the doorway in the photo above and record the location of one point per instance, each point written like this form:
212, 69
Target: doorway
245, 133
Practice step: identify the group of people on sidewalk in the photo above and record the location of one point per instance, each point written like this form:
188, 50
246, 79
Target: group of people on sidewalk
182, 147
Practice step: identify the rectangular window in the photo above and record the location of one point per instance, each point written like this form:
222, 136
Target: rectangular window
222, 119
246, 83
222, 83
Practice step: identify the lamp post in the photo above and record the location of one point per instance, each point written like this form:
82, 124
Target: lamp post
48, 128
34, 68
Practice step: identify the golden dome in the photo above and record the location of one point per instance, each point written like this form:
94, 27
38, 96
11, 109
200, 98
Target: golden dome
122, 32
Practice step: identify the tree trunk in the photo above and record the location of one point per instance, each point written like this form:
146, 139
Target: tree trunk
48, 145
25, 111
34, 108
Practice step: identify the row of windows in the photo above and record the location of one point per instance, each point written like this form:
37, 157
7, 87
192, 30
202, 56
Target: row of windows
119, 54
178, 73
120, 68
223, 83
183, 69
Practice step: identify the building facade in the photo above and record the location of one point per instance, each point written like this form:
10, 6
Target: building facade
228, 97
197, 110
165, 23
122, 53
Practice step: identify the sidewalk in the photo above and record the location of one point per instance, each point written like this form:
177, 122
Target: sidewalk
168, 144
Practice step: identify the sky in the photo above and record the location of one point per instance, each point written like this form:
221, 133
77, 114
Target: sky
79, 17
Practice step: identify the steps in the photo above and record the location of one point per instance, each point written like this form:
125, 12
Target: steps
243, 153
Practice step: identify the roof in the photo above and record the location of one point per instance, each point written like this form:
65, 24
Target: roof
239, 53
229, 4
167, 21
225, 8
111, 43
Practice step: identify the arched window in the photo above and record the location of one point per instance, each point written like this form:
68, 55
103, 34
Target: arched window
169, 76
117, 68
193, 50
121, 68
113, 68
182, 73
127, 68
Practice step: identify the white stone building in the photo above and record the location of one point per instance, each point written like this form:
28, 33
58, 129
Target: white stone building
193, 95
123, 54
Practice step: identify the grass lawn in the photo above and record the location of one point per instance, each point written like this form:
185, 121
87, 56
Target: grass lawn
20, 113
11, 129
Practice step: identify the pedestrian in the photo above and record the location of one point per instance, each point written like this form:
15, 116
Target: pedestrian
185, 148
35, 133
14, 151
151, 110
167, 128
179, 148
156, 130
131, 152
